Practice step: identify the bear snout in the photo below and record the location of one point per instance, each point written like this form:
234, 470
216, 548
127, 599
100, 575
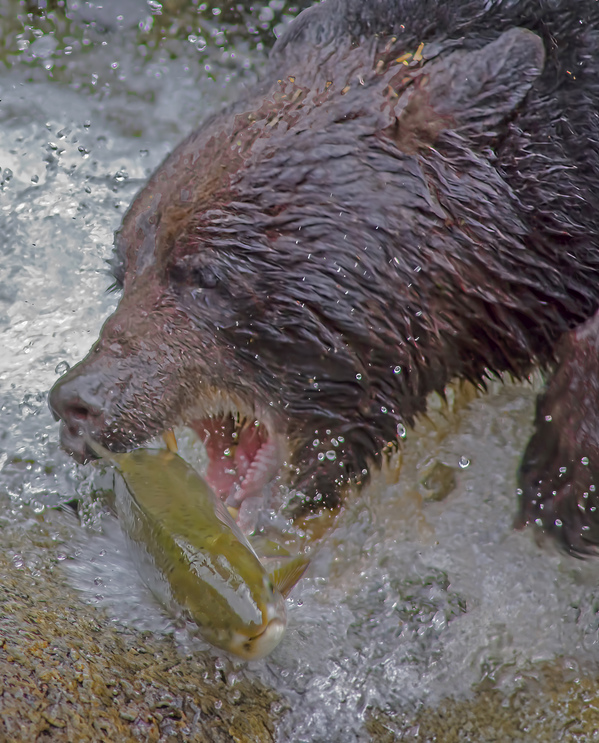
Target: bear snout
74, 400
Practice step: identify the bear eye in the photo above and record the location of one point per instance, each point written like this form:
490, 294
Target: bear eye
204, 277
192, 271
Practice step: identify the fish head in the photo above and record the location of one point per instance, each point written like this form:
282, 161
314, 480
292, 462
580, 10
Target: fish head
263, 642
252, 642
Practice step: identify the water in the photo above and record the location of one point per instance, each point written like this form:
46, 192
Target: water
413, 596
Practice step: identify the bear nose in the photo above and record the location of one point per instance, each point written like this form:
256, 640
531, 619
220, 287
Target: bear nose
72, 401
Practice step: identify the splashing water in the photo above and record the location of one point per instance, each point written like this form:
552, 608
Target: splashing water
423, 588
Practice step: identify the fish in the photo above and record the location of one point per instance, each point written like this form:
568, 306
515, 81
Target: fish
212, 571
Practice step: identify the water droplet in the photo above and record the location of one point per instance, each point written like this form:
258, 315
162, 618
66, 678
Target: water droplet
463, 462
62, 368
61, 556
358, 377
218, 704
383, 409
320, 456
18, 561
397, 370
315, 443
331, 455
548, 418
401, 431
37, 507
584, 460
558, 522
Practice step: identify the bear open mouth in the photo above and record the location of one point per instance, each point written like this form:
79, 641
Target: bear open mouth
243, 454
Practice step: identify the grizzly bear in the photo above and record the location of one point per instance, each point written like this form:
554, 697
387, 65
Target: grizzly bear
408, 197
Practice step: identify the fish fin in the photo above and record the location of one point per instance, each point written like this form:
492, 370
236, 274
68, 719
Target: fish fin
287, 574
268, 547
226, 517
169, 439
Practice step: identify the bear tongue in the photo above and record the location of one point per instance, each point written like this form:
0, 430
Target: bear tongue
242, 460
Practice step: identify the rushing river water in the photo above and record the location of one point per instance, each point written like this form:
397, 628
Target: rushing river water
423, 589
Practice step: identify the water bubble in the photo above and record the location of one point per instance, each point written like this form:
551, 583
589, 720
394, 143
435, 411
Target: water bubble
463, 462
37, 507
266, 14
439, 622
62, 368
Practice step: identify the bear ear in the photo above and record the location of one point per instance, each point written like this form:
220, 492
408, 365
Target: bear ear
473, 92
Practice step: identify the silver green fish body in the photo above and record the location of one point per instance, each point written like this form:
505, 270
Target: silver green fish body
190, 537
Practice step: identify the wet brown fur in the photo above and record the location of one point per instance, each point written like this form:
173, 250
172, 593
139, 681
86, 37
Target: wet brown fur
407, 198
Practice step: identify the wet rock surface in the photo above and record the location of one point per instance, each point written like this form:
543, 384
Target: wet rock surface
68, 674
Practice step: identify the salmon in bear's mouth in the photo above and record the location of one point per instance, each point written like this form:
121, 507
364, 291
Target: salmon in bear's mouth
244, 454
